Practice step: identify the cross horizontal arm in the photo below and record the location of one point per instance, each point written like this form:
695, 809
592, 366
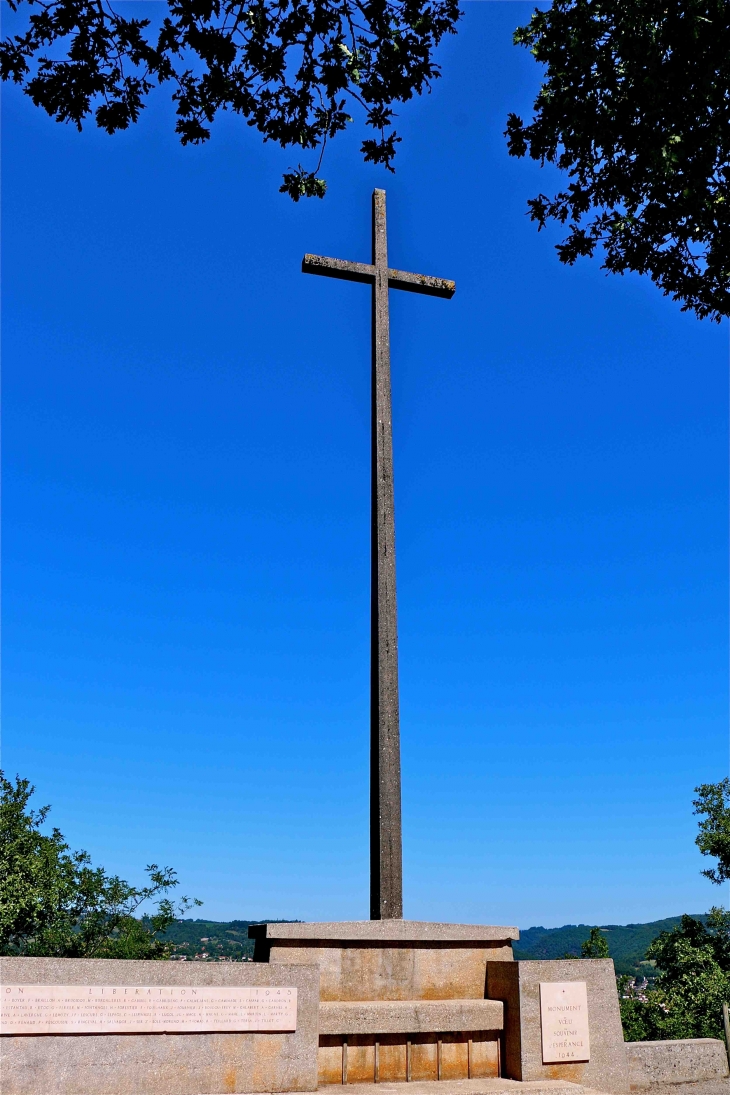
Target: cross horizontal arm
338, 268
364, 271
421, 283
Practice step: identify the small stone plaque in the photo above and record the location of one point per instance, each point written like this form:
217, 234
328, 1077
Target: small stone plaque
147, 1009
564, 1021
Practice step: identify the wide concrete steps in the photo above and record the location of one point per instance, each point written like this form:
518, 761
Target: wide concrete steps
409, 1016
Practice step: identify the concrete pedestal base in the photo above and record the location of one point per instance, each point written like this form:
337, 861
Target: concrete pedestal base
389, 959
401, 1000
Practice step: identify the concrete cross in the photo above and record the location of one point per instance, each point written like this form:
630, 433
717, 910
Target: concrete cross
386, 869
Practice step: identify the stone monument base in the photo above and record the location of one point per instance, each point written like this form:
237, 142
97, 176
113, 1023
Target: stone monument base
401, 1000
441, 1008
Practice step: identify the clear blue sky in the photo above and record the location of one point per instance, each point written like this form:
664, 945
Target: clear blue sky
187, 522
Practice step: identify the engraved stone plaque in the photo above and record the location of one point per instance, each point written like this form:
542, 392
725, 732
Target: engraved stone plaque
564, 1022
149, 1009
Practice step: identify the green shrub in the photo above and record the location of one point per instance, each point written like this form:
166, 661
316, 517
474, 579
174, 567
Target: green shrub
54, 903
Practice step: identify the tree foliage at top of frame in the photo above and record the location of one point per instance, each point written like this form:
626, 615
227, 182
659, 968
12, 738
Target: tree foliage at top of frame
291, 68
635, 107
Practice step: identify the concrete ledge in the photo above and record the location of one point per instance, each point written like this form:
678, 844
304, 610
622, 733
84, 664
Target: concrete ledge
685, 1061
409, 1016
391, 931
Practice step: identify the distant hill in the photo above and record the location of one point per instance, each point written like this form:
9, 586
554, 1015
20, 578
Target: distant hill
211, 939
627, 943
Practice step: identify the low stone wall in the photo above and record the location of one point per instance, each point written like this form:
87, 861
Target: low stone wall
199, 1063
690, 1060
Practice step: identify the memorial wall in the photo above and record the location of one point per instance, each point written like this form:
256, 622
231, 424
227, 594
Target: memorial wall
115, 1027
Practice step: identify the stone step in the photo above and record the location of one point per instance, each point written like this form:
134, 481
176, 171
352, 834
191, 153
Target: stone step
409, 1016
459, 1087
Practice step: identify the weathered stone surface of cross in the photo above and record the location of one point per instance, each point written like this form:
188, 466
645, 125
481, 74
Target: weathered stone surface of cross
386, 867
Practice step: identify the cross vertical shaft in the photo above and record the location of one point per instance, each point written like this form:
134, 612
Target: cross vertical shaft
386, 870
386, 857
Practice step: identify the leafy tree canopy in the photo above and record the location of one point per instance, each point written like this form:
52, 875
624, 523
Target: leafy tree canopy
694, 980
714, 836
595, 946
291, 68
53, 902
635, 107
694, 958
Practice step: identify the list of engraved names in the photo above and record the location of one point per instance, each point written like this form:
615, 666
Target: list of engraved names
564, 1022
149, 1009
